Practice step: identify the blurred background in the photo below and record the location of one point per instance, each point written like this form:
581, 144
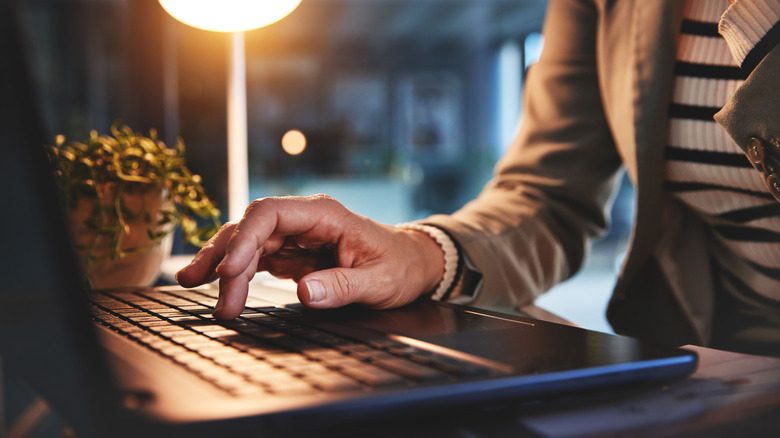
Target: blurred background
391, 95
405, 104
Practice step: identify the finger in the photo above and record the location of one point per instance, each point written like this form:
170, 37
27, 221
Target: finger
233, 292
202, 268
232, 298
280, 217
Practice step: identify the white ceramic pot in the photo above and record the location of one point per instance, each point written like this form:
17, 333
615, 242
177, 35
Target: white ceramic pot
139, 267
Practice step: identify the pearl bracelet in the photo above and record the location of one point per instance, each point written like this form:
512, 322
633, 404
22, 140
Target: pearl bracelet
450, 255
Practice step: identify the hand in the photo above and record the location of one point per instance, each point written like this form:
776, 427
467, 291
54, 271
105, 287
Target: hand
336, 256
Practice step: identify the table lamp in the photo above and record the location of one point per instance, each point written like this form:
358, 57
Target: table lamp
236, 17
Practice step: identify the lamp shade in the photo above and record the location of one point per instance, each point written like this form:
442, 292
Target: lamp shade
229, 15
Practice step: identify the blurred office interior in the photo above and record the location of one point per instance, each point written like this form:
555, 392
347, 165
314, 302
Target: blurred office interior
405, 104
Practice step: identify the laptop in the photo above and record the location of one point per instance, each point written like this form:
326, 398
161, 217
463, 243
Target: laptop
153, 362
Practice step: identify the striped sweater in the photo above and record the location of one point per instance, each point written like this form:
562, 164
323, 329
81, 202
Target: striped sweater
705, 169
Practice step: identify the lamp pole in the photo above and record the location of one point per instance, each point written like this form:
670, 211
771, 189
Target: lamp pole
234, 16
237, 133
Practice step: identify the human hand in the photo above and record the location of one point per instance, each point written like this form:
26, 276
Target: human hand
337, 257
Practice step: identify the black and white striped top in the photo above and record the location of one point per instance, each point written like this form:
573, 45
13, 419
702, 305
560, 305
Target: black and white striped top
708, 172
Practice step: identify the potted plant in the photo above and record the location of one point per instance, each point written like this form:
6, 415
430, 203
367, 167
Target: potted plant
125, 194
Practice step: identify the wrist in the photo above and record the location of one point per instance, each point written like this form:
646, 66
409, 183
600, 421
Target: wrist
440, 256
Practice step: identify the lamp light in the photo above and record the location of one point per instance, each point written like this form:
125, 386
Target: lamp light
236, 16
229, 15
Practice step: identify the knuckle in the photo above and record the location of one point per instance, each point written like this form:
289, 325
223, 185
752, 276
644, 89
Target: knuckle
258, 204
226, 228
321, 197
344, 286
224, 232
326, 202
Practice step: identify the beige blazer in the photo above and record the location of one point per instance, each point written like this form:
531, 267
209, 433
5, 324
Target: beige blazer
596, 103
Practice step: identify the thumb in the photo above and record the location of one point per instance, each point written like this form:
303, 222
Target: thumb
334, 287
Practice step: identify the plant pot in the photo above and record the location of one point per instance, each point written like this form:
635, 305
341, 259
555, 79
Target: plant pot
136, 259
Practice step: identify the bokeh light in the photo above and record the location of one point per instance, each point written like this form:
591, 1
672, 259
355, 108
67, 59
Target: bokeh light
294, 142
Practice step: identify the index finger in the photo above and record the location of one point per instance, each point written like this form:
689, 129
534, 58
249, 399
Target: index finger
202, 267
306, 216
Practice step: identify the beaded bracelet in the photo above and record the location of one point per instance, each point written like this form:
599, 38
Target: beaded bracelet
450, 255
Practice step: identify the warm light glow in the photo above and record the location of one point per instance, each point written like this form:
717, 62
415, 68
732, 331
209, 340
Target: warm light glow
236, 17
294, 142
229, 15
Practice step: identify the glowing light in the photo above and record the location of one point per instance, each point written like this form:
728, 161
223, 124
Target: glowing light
294, 142
229, 15
234, 16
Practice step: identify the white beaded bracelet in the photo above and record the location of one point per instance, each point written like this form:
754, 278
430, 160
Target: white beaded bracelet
449, 250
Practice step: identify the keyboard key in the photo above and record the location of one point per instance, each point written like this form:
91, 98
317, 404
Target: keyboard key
258, 367
332, 381
269, 377
286, 359
291, 386
342, 362
308, 369
262, 351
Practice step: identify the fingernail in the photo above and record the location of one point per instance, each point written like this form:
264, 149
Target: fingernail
316, 290
220, 304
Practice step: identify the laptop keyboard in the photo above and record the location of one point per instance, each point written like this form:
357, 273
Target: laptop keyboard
268, 350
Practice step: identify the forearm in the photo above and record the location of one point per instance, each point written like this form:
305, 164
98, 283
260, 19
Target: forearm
530, 227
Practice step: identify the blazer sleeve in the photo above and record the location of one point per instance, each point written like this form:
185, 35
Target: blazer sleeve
529, 228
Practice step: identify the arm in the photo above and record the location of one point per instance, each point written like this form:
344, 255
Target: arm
529, 228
